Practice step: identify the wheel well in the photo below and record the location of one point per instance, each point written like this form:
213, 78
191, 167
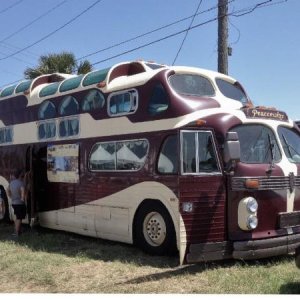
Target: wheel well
143, 203
3, 192
5, 198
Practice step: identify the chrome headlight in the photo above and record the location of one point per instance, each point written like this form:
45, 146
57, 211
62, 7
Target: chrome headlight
252, 205
252, 222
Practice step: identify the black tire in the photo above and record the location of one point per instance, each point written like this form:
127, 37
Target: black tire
154, 229
4, 213
297, 257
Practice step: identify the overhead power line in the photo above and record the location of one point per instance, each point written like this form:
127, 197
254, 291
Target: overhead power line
53, 32
186, 33
149, 32
11, 6
33, 21
250, 10
11, 47
234, 13
155, 41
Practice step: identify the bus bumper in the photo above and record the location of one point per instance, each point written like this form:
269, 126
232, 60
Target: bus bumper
209, 252
256, 249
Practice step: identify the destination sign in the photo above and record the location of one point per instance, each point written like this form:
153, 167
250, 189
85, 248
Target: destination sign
264, 113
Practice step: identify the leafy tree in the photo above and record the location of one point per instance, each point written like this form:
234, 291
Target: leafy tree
64, 62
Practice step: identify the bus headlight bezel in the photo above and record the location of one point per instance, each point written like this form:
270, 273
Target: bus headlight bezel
247, 213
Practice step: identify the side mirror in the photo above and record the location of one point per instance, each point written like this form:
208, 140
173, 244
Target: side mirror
232, 152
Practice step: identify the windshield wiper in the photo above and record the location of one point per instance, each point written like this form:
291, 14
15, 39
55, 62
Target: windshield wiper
271, 149
290, 147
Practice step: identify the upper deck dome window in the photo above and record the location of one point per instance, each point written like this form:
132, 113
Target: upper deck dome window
193, 85
95, 77
232, 91
8, 91
70, 84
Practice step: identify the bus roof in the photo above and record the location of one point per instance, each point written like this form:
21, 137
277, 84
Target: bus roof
120, 76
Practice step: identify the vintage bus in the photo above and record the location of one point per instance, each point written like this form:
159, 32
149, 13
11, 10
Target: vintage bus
171, 159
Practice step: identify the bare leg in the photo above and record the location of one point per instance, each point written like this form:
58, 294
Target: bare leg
18, 224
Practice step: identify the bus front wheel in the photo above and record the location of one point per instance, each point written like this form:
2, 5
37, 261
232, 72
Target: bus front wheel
154, 229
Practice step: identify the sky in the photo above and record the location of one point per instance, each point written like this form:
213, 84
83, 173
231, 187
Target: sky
264, 36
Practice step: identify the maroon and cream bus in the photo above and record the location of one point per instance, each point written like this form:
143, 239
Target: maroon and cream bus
168, 158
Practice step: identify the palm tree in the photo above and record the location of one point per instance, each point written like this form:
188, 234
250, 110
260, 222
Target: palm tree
64, 62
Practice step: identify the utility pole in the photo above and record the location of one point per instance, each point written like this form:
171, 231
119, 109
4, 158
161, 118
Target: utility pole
223, 36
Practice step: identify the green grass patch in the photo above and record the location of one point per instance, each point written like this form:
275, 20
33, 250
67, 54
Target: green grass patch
50, 261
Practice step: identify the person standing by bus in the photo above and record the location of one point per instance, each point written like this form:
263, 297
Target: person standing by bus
16, 191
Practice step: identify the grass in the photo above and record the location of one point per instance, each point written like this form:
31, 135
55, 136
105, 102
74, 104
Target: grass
55, 262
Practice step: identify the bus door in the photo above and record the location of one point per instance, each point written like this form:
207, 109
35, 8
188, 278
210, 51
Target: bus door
29, 186
39, 178
202, 193
56, 173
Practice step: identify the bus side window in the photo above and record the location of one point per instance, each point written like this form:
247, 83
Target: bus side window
198, 152
6, 135
207, 155
2, 135
46, 130
93, 100
69, 127
47, 110
122, 103
168, 157
69, 106
159, 100
119, 156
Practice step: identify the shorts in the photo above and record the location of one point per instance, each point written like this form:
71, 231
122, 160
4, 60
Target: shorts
20, 211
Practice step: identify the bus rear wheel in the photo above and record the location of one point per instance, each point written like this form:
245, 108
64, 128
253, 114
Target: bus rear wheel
154, 230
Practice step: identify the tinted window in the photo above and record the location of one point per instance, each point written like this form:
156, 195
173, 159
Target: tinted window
47, 110
168, 157
118, 156
198, 152
233, 91
154, 66
69, 106
258, 144
95, 77
23, 86
6, 135
189, 84
70, 84
93, 100
123, 103
46, 130
69, 127
50, 89
159, 101
290, 141
8, 91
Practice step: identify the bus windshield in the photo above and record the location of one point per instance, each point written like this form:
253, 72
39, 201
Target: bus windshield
190, 84
258, 144
290, 141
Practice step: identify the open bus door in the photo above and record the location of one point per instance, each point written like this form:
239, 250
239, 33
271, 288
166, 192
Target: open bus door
202, 192
29, 187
